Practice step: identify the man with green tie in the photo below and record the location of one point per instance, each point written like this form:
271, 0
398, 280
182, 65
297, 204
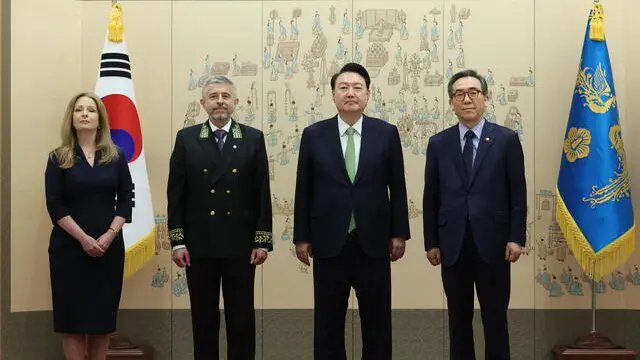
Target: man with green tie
351, 216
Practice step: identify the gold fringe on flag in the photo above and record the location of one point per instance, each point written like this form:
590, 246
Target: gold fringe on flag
116, 27
140, 253
594, 265
596, 25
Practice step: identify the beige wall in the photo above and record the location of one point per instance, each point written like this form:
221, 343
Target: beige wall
59, 78
168, 39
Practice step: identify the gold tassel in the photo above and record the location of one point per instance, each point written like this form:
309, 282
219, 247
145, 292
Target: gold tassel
138, 255
116, 28
594, 265
597, 23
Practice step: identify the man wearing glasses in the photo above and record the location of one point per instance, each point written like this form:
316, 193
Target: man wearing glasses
475, 209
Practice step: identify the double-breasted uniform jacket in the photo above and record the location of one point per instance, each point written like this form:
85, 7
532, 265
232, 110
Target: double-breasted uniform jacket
219, 204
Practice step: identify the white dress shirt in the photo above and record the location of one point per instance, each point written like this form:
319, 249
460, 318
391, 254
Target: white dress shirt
226, 128
357, 137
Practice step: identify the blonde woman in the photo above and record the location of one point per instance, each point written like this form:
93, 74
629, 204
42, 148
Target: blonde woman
89, 198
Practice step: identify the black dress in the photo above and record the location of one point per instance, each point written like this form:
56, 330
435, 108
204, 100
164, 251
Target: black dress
85, 290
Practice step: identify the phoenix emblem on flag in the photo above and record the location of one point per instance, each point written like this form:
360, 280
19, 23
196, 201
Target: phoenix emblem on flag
594, 88
619, 187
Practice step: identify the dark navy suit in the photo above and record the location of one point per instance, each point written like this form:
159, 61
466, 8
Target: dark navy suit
325, 198
471, 218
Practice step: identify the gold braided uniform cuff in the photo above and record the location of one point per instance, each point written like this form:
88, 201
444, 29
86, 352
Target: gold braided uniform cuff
264, 239
176, 237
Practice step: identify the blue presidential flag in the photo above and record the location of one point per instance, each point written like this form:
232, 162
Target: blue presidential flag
594, 207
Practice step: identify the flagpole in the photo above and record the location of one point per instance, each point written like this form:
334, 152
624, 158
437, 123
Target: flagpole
594, 339
115, 340
593, 306
593, 283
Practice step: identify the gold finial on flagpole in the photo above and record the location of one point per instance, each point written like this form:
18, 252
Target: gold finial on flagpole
596, 31
116, 28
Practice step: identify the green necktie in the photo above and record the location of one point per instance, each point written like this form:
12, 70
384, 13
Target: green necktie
350, 162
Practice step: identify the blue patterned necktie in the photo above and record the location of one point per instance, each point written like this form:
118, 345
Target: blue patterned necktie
219, 134
467, 153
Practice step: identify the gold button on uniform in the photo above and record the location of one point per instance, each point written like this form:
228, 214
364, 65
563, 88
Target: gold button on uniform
234, 171
228, 212
204, 170
228, 191
212, 212
213, 191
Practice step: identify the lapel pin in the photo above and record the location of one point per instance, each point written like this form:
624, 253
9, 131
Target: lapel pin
487, 139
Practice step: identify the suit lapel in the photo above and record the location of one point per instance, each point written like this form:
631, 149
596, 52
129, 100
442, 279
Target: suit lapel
232, 145
208, 144
335, 149
485, 143
456, 153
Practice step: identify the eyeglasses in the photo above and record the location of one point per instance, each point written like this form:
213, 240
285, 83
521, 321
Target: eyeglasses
473, 93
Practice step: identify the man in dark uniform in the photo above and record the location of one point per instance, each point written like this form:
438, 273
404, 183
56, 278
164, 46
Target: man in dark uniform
219, 219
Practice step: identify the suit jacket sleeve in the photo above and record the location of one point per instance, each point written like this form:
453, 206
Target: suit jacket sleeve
301, 202
176, 192
124, 204
264, 226
53, 185
398, 190
431, 199
517, 190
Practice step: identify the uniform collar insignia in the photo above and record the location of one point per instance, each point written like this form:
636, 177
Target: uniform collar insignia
204, 130
236, 133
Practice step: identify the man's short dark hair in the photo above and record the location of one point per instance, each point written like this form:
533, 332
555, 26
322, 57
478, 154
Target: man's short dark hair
467, 73
352, 67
